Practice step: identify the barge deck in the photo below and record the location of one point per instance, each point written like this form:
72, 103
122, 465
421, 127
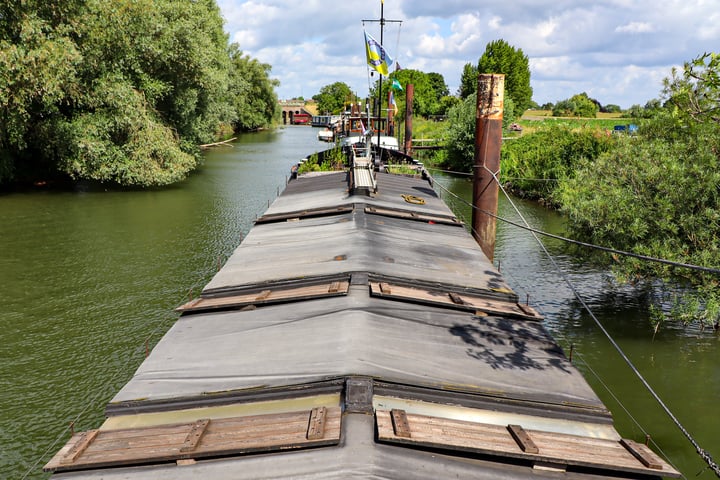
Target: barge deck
357, 334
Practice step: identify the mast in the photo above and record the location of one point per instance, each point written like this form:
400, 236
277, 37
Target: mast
382, 22
380, 95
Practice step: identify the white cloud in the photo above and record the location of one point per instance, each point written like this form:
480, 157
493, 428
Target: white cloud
617, 51
635, 27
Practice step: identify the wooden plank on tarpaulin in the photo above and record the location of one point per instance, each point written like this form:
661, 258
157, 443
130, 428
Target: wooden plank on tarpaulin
439, 297
267, 296
217, 438
496, 440
412, 215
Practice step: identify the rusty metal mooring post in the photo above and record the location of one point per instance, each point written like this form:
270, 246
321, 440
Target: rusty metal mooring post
409, 94
488, 139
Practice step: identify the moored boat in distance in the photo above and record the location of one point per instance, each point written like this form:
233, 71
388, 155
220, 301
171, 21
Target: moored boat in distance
357, 331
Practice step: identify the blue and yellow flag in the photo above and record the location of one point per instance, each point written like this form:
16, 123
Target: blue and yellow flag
377, 57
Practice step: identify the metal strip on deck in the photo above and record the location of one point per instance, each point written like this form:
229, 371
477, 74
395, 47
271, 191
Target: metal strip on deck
200, 439
462, 301
557, 449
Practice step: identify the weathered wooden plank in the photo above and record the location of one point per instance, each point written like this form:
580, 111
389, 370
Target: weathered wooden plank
219, 437
468, 302
263, 295
523, 439
401, 428
267, 296
413, 215
552, 448
194, 436
86, 438
309, 213
642, 453
316, 426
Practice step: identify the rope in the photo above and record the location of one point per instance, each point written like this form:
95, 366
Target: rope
453, 172
101, 393
91, 403
627, 412
584, 244
701, 452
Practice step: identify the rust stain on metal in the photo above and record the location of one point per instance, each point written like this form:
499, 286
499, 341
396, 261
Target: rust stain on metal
491, 100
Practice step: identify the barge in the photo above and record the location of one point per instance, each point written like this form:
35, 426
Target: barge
358, 331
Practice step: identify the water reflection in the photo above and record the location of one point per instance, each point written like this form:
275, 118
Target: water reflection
89, 277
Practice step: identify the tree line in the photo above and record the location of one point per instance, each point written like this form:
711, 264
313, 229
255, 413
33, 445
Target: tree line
121, 91
655, 193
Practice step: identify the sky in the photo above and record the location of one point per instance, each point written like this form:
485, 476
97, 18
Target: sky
616, 51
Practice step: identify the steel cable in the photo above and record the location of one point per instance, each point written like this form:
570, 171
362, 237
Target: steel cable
701, 452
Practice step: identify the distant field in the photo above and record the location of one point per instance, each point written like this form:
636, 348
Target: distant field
534, 114
606, 121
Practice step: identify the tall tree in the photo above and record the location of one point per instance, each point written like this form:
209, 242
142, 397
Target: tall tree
430, 91
468, 81
501, 57
437, 82
38, 68
253, 91
332, 98
120, 91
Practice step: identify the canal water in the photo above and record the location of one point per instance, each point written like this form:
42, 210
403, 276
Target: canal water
90, 279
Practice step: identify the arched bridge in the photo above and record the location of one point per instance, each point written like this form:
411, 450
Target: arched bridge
295, 112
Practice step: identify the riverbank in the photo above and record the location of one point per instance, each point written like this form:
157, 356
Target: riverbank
91, 278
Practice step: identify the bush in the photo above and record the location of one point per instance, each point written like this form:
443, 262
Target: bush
533, 163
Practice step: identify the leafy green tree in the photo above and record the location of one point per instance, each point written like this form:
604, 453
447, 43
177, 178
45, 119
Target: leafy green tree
461, 135
695, 93
333, 98
657, 194
120, 91
430, 88
38, 68
501, 57
579, 105
253, 91
161, 61
468, 81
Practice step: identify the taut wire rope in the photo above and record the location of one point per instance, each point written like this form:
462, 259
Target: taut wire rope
701, 452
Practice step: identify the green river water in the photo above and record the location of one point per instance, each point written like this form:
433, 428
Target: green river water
90, 279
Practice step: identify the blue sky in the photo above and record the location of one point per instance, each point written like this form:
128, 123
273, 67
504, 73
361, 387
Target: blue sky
617, 51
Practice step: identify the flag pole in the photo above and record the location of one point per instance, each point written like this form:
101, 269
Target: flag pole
380, 95
382, 22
